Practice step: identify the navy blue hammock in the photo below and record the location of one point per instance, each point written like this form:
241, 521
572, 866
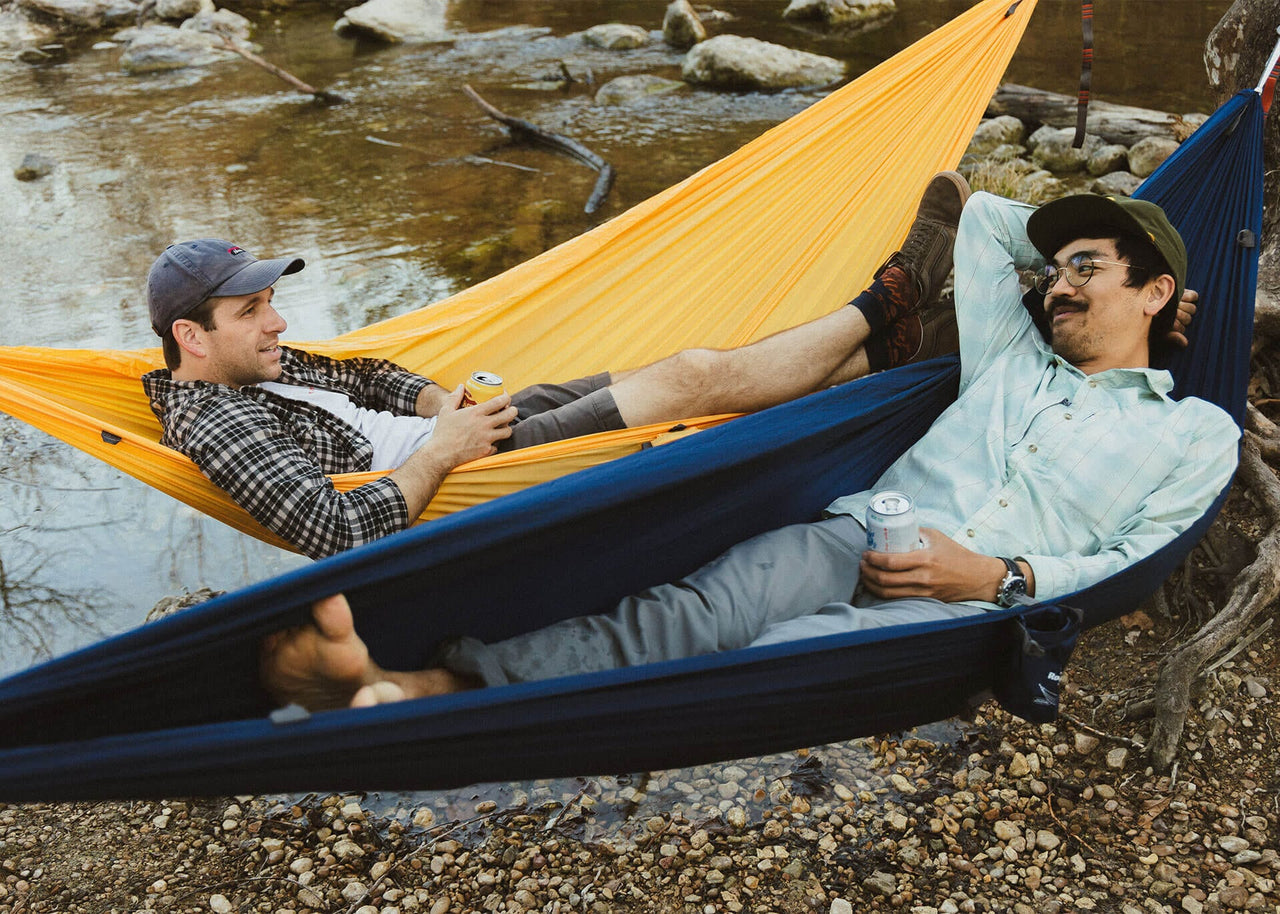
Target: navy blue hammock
172, 708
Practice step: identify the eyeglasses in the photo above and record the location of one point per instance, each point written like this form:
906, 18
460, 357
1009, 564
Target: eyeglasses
1077, 271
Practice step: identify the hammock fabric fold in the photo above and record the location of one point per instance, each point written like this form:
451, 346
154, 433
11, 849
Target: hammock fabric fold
784, 230
171, 708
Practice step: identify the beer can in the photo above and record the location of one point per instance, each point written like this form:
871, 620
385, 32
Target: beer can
891, 523
481, 386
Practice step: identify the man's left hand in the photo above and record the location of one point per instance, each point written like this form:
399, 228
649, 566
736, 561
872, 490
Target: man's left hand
942, 569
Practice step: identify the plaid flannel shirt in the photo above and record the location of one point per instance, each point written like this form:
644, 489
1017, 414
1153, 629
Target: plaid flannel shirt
271, 454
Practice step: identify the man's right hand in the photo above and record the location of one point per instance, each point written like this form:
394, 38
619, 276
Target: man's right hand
461, 434
465, 433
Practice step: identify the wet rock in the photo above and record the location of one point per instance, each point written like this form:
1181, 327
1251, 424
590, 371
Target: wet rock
181, 9
1121, 183
18, 30
1146, 155
681, 27
731, 61
34, 166
615, 36
45, 54
397, 21
220, 22
626, 89
157, 48
841, 13
87, 14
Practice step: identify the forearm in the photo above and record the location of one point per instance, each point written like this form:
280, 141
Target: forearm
419, 477
430, 399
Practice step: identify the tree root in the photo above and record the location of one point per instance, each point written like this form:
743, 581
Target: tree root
1257, 586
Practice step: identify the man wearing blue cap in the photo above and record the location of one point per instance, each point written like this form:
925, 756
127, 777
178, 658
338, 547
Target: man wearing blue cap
1062, 461
267, 423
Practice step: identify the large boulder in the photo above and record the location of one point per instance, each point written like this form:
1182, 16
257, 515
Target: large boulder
841, 13
1053, 150
997, 131
397, 20
734, 62
87, 14
158, 48
1146, 155
1106, 159
681, 27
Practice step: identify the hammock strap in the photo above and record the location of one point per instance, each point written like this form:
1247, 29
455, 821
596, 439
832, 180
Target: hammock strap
1267, 87
1086, 70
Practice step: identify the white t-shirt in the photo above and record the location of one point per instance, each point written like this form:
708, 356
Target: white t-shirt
394, 437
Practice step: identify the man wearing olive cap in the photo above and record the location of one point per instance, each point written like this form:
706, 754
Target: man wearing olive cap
1062, 461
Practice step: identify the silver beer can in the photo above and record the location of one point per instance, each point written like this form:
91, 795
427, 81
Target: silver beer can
891, 523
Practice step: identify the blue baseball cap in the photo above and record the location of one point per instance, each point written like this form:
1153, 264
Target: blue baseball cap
190, 272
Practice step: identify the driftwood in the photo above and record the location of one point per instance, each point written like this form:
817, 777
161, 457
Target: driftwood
322, 95
1114, 123
524, 130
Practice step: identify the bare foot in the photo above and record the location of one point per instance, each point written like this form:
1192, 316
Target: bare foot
326, 665
320, 665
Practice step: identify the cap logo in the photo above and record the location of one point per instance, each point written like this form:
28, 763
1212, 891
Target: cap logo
235, 250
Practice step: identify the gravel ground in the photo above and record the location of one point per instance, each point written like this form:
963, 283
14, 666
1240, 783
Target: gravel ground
988, 815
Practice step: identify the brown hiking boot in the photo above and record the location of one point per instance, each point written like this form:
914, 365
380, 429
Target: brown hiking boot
926, 252
926, 334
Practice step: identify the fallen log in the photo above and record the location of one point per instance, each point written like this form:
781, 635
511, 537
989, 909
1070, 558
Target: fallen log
321, 95
1114, 123
524, 130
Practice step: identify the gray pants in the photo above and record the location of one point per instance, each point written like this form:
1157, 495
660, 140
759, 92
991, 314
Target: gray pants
790, 583
554, 412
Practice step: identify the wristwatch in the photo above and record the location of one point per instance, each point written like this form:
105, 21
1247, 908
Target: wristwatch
1013, 589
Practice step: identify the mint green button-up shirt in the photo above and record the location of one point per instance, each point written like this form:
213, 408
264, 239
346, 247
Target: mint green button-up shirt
1080, 475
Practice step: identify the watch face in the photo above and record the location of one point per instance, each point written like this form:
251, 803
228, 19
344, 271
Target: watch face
1011, 588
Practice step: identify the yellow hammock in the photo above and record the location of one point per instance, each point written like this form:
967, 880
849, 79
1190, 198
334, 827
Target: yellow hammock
780, 232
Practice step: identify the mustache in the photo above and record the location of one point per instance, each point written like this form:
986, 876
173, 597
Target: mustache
1053, 303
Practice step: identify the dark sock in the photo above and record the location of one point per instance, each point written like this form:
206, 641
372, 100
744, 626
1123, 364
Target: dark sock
896, 345
890, 295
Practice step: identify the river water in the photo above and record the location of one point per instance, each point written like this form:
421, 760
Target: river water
230, 151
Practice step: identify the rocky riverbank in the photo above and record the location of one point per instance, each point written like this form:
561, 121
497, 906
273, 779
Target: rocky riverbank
994, 815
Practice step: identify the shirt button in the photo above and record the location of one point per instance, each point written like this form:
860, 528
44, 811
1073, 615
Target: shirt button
1004, 502
1067, 416
1093, 383
1033, 449
970, 532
